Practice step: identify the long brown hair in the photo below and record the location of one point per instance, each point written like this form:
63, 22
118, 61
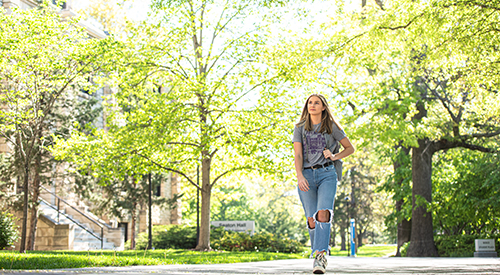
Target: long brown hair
326, 117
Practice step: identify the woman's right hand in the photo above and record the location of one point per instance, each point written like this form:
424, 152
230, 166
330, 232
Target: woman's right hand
303, 184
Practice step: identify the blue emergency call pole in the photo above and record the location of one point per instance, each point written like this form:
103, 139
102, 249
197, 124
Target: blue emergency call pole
352, 228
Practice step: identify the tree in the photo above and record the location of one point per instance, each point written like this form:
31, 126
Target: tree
341, 218
465, 185
202, 92
359, 197
105, 174
36, 75
367, 206
421, 84
399, 184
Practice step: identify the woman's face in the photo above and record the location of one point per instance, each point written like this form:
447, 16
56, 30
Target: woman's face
315, 105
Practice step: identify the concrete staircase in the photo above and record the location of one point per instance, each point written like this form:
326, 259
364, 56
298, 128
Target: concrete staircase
71, 227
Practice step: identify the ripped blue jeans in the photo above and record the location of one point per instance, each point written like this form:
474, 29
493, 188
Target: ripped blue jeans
320, 196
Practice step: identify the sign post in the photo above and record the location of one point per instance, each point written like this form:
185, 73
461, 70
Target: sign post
353, 236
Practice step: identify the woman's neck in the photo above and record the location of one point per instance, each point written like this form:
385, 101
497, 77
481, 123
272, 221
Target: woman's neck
316, 119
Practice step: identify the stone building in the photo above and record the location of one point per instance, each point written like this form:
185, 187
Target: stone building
67, 222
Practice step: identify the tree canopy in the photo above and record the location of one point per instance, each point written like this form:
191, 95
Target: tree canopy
420, 74
44, 59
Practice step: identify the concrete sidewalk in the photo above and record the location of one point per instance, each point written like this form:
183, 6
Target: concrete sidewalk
336, 265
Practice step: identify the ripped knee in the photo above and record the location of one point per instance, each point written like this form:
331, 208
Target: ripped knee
311, 223
324, 216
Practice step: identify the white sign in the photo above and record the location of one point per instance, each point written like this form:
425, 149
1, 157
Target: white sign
485, 245
238, 226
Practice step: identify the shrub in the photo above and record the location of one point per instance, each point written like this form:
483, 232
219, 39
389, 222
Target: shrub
268, 242
184, 237
460, 245
169, 236
404, 249
456, 245
8, 230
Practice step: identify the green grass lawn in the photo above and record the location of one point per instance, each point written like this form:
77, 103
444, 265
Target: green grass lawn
368, 251
76, 259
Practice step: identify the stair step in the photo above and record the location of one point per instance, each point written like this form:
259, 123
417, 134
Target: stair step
83, 240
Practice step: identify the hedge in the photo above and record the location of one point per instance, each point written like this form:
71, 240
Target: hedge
456, 245
184, 237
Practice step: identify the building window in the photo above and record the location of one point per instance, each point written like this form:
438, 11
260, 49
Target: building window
124, 225
158, 190
63, 5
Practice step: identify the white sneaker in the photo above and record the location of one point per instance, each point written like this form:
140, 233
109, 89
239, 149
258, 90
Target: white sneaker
320, 263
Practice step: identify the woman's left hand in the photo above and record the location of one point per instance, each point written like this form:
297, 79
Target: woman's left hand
328, 154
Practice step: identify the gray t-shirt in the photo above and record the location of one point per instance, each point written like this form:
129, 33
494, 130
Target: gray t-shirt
316, 143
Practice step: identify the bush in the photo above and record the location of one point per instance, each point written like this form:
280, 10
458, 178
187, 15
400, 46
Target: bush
456, 245
8, 230
169, 236
404, 249
184, 237
268, 242
460, 245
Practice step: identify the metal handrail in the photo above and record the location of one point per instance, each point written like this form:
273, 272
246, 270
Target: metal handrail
76, 222
101, 238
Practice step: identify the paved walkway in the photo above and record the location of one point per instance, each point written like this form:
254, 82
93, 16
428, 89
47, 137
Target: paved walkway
337, 265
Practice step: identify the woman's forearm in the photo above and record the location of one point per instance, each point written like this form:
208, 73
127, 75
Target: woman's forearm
345, 153
298, 165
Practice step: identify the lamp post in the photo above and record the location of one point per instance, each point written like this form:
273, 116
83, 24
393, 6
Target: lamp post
346, 199
351, 224
353, 237
150, 219
198, 205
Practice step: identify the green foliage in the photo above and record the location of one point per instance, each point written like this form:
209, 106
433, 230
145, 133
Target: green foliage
38, 74
456, 245
184, 237
271, 204
466, 184
461, 245
193, 88
282, 223
240, 241
169, 237
8, 167
398, 183
404, 249
45, 60
422, 72
8, 230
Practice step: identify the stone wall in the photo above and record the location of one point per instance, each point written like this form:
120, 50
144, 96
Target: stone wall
49, 235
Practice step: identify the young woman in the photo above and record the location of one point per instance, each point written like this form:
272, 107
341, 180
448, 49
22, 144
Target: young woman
316, 144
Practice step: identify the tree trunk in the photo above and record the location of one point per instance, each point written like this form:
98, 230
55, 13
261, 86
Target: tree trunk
333, 233
132, 226
22, 248
34, 209
342, 239
404, 226
404, 230
360, 235
422, 237
206, 192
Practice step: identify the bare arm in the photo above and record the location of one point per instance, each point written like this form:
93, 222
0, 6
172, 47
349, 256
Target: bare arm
299, 161
348, 150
